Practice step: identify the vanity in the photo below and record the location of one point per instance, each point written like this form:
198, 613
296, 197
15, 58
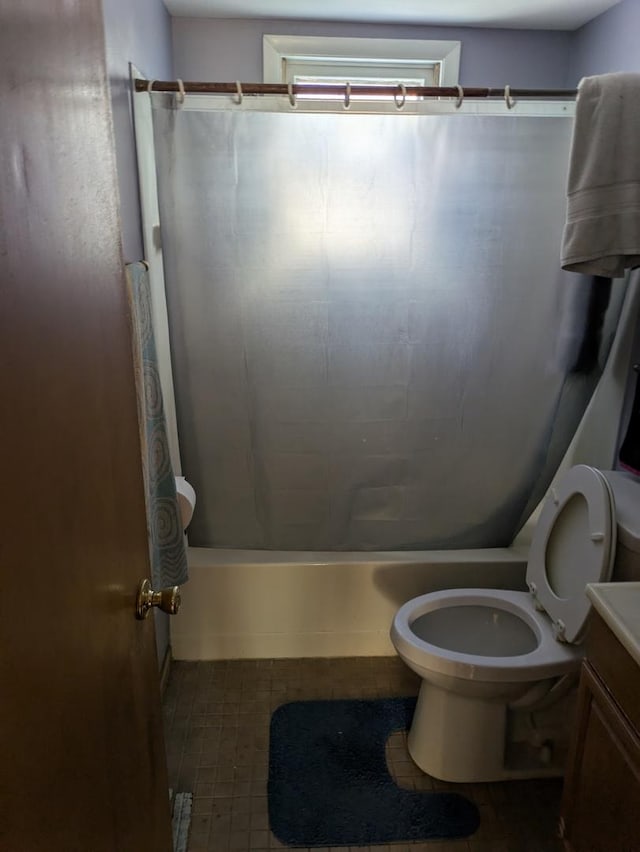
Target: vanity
600, 809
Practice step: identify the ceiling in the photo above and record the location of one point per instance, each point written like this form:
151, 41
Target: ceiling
521, 14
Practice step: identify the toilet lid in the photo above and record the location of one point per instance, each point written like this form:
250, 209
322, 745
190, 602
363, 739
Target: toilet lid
573, 544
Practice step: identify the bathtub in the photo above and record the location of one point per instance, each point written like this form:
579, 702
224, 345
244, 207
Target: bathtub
267, 604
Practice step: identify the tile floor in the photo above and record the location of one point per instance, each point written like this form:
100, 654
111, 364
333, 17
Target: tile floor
217, 735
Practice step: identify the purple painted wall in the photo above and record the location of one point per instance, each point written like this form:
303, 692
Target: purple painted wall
137, 31
208, 49
611, 42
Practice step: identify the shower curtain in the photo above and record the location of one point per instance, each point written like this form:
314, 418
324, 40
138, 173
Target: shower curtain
373, 345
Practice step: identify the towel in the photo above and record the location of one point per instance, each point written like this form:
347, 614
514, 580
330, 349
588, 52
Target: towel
167, 548
602, 230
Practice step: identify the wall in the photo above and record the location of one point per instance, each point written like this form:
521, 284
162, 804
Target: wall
137, 31
207, 49
608, 43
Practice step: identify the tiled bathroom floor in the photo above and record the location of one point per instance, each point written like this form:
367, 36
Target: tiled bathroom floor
217, 735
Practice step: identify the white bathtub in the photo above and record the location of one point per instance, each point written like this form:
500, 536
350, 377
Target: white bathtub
266, 604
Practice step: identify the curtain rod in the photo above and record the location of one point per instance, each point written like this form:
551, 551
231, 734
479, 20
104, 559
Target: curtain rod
346, 89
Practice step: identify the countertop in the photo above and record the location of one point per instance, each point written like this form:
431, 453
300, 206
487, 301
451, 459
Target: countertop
619, 606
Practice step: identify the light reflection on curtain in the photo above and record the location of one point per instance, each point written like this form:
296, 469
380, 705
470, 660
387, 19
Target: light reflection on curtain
373, 344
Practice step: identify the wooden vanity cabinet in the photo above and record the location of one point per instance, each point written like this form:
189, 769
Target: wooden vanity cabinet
601, 800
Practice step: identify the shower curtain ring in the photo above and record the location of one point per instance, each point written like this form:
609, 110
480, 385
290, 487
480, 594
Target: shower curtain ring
402, 90
292, 97
180, 92
150, 86
460, 96
507, 98
238, 95
347, 95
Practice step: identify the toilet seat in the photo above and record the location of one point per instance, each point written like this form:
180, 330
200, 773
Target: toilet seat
549, 659
573, 544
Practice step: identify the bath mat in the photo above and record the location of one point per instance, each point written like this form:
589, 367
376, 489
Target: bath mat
329, 784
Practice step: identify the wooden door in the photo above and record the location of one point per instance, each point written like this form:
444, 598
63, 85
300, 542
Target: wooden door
81, 753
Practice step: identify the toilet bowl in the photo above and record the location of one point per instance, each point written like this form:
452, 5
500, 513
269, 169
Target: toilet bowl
490, 658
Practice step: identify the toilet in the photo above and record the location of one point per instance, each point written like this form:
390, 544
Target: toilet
499, 667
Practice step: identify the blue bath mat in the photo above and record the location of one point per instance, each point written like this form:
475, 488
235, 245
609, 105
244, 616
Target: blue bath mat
329, 784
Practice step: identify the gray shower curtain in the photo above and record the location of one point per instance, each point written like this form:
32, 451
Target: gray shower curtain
373, 345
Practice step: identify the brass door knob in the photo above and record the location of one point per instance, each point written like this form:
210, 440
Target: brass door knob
167, 599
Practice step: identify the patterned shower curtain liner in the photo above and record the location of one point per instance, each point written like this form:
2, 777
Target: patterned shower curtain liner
167, 548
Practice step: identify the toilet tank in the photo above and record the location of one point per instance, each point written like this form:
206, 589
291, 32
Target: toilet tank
626, 492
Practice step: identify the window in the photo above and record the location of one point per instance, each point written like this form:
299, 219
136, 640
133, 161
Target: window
309, 59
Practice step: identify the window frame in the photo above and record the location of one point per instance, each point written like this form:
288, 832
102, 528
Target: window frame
278, 49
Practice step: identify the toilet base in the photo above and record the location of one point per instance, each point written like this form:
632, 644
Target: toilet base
457, 738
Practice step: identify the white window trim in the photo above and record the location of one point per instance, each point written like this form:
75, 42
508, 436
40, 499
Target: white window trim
276, 48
